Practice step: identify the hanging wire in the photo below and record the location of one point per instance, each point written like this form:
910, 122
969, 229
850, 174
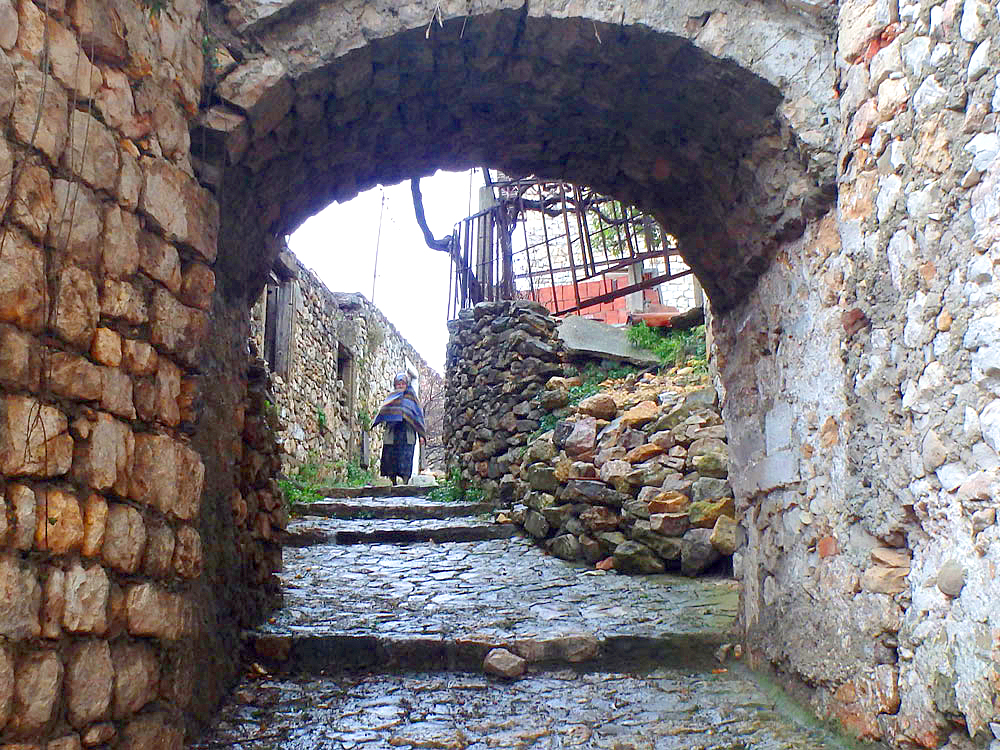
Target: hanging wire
378, 241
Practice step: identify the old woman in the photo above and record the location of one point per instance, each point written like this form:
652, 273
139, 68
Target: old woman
404, 425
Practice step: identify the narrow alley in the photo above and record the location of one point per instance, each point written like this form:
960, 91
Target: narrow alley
387, 619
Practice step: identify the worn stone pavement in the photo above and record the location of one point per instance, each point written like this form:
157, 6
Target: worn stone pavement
381, 645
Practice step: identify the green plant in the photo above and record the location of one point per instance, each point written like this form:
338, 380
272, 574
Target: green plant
305, 485
672, 347
351, 474
321, 419
455, 489
364, 419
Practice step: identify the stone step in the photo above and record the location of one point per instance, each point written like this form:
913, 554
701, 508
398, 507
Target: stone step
663, 708
497, 590
399, 490
416, 509
313, 530
319, 652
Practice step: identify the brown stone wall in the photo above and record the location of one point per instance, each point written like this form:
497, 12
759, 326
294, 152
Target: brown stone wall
121, 372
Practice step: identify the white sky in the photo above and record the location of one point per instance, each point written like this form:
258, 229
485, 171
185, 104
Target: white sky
411, 283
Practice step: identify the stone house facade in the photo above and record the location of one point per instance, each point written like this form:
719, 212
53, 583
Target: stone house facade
332, 357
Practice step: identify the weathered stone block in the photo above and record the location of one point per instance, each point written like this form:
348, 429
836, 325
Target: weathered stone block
70, 64
8, 38
153, 611
129, 181
76, 307
159, 260
176, 328
187, 554
95, 516
103, 460
20, 599
599, 518
156, 399
182, 209
75, 224
641, 414
21, 501
120, 243
581, 442
116, 393
50, 135
19, 359
22, 284
124, 538
6, 663
670, 524
90, 677
74, 377
33, 439
592, 492
91, 152
197, 286
137, 674
151, 732
600, 406
58, 522
725, 535
52, 603
34, 202
37, 689
106, 347
139, 358
158, 558
634, 557
86, 597
860, 21
705, 513
697, 552
261, 89
97, 29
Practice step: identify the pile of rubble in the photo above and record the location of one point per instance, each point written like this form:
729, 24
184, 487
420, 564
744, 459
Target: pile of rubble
634, 479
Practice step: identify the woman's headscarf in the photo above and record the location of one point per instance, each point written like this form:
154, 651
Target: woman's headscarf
402, 406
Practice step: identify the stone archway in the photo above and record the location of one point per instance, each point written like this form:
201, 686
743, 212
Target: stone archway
327, 103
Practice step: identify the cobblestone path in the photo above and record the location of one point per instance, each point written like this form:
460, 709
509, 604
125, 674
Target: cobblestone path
380, 645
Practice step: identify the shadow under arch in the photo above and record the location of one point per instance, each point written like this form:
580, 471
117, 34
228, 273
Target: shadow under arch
645, 116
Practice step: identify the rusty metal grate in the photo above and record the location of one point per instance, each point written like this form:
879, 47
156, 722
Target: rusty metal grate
576, 249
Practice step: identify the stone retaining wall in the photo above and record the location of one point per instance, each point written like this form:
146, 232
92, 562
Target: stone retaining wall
500, 355
342, 354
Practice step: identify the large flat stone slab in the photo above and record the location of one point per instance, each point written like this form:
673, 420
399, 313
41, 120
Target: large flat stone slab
596, 339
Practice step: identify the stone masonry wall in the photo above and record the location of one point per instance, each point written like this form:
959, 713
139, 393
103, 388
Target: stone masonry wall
500, 355
860, 386
322, 411
119, 441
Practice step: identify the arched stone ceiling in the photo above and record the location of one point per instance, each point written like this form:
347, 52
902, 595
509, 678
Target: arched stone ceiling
332, 98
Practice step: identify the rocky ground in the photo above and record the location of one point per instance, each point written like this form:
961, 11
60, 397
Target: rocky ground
391, 645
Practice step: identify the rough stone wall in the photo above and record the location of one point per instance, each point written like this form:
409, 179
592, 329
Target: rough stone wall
122, 374
861, 388
500, 355
322, 411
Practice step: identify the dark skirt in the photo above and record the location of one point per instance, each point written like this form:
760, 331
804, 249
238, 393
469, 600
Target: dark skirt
397, 460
